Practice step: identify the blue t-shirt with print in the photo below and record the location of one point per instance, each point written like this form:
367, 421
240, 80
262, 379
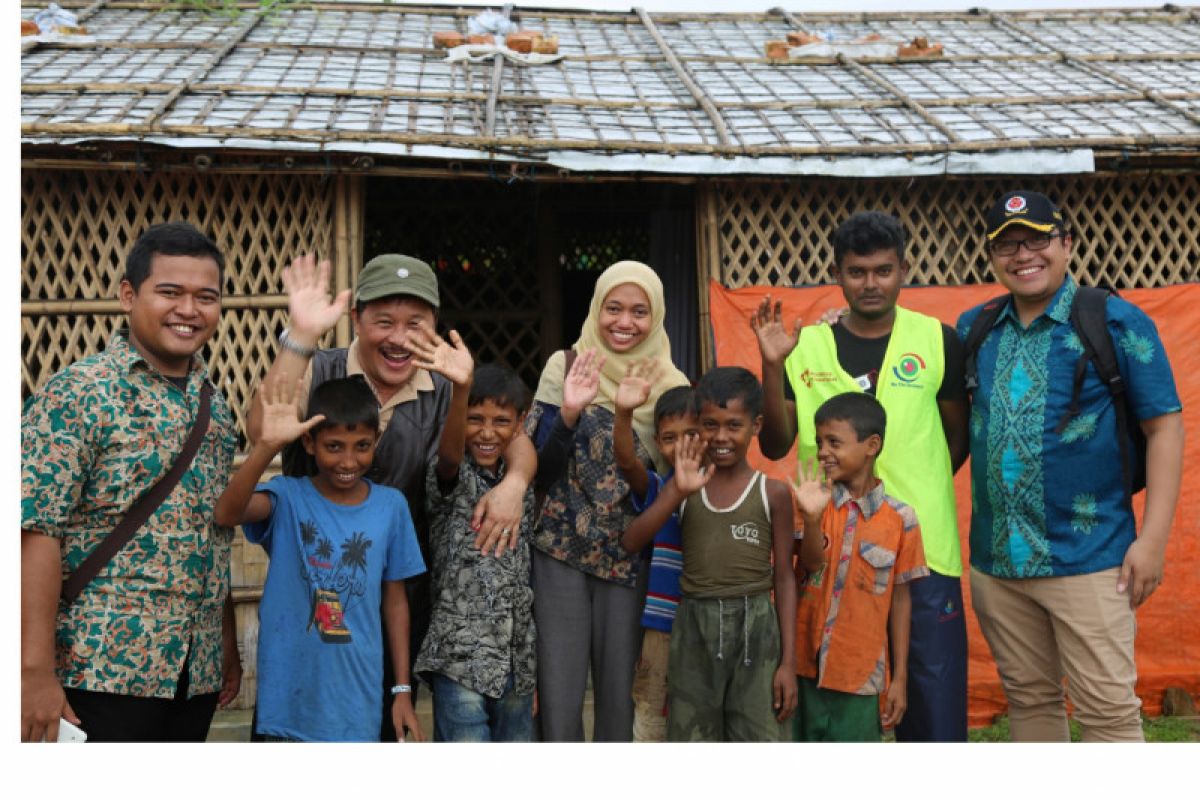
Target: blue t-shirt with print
666, 564
1045, 503
320, 639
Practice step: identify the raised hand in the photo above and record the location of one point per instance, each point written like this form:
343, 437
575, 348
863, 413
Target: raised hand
635, 387
452, 359
280, 416
312, 312
582, 382
689, 476
775, 342
812, 494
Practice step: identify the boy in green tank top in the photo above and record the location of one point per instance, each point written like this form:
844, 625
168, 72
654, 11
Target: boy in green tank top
732, 656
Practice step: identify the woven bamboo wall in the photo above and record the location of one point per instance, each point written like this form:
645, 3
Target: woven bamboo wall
78, 225
1129, 230
1132, 230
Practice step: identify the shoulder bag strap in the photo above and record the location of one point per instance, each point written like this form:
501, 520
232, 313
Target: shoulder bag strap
143, 507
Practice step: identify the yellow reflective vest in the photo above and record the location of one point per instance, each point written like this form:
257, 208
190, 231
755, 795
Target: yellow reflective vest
914, 464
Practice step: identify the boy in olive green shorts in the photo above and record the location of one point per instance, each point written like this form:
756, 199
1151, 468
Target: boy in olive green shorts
730, 673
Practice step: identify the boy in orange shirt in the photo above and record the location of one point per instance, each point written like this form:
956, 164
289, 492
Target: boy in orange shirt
859, 550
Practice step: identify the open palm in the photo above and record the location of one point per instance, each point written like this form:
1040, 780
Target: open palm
775, 341
812, 494
311, 309
281, 418
635, 387
452, 359
583, 381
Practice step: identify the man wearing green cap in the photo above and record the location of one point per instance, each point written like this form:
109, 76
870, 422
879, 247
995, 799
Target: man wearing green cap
396, 295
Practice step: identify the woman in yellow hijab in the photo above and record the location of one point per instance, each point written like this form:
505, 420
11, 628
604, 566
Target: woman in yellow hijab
588, 590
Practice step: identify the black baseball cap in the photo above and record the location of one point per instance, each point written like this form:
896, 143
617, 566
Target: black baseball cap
1022, 207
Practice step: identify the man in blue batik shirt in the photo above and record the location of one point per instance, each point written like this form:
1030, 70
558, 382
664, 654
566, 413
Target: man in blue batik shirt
1057, 567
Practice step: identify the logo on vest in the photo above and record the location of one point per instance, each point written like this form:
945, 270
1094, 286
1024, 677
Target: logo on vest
808, 377
746, 532
909, 370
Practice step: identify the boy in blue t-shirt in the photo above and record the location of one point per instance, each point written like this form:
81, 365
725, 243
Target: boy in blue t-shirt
340, 548
674, 418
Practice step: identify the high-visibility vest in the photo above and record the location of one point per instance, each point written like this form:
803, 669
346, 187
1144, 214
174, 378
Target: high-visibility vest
914, 464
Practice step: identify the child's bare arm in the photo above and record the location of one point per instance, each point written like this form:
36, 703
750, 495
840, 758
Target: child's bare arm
689, 477
395, 623
812, 496
633, 392
899, 625
784, 682
279, 425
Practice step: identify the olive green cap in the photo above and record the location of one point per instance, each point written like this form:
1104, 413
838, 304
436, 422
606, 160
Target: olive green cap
393, 274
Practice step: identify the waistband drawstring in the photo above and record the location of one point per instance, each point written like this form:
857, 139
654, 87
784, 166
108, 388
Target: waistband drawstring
720, 629
745, 631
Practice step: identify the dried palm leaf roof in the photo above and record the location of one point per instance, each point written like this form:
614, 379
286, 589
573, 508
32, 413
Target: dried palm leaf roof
634, 90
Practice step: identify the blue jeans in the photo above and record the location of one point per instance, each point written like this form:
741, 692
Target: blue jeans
462, 715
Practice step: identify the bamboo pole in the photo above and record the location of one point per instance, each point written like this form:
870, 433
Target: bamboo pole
682, 73
111, 306
708, 265
883, 83
341, 252
642, 104
329, 136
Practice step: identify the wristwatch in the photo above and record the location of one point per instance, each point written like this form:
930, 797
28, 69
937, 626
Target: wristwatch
401, 688
287, 343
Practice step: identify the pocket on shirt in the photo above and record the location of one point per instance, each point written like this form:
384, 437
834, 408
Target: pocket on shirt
880, 561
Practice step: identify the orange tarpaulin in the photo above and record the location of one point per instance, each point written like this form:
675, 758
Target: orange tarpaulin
1168, 637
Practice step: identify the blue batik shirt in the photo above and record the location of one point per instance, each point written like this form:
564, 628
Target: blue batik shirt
1045, 503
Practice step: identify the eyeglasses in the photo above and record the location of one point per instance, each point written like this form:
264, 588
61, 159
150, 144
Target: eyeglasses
1010, 247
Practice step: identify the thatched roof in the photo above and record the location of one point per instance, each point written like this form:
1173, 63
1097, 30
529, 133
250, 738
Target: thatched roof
692, 93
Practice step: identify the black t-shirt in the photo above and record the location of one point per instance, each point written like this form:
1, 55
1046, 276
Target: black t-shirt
861, 359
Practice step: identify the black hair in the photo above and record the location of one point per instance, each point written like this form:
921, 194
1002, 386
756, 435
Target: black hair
345, 401
862, 411
866, 232
500, 385
169, 239
721, 384
675, 402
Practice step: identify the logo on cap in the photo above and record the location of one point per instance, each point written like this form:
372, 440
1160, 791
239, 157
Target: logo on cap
402, 273
1015, 204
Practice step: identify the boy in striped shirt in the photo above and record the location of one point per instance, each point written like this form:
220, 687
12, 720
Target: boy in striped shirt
674, 418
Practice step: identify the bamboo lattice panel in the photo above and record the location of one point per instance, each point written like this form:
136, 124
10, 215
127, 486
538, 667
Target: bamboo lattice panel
1129, 230
78, 226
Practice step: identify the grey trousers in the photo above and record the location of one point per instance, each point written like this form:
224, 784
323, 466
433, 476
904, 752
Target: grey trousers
583, 621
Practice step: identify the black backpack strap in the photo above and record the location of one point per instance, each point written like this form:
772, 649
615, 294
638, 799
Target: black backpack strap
1089, 318
981, 326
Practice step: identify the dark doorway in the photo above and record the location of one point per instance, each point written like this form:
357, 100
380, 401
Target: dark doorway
517, 262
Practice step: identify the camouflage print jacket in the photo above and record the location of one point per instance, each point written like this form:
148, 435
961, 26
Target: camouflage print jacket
93, 439
482, 628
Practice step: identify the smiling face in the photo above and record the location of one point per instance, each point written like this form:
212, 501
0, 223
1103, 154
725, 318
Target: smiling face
625, 318
669, 432
842, 456
871, 283
490, 427
343, 454
727, 432
174, 312
1033, 276
382, 328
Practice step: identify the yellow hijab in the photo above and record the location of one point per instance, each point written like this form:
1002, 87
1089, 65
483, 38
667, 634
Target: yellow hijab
655, 345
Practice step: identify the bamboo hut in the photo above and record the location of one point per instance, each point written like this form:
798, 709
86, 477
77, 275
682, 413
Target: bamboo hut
670, 138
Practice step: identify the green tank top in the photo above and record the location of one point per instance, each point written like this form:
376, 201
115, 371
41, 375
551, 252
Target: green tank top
915, 462
727, 551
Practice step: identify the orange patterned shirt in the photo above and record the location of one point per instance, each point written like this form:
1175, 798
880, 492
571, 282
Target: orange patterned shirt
871, 544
